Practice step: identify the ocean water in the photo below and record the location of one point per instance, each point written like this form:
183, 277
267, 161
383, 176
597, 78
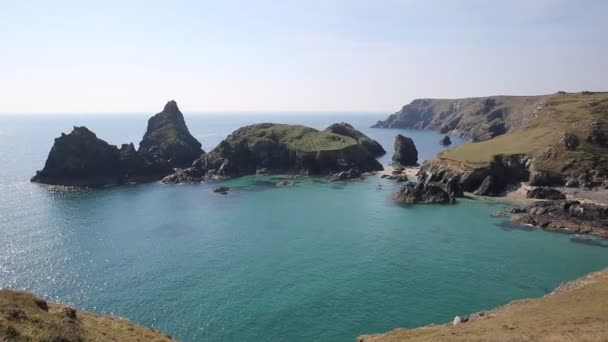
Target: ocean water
312, 262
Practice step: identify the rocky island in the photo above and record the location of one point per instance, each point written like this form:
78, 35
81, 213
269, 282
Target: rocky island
82, 159
289, 149
168, 152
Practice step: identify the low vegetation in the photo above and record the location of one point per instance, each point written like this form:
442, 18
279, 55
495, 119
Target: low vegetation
24, 317
576, 311
565, 135
294, 137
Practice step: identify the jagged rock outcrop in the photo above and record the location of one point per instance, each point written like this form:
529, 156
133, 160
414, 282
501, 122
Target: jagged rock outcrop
348, 130
423, 193
279, 148
345, 175
81, 159
167, 143
406, 153
567, 215
190, 175
490, 180
446, 141
480, 118
545, 193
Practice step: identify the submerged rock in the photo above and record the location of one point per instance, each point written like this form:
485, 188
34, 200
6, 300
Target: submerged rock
81, 159
406, 153
221, 190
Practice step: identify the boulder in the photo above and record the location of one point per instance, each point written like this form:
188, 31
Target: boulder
368, 143
427, 193
446, 141
81, 159
406, 153
570, 141
572, 183
545, 193
546, 178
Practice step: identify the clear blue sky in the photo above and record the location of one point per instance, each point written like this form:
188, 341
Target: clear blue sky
125, 56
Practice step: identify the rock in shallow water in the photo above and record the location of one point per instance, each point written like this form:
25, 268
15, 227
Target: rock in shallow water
427, 193
406, 153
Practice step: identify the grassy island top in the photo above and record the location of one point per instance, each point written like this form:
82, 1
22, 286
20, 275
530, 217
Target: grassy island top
542, 133
294, 137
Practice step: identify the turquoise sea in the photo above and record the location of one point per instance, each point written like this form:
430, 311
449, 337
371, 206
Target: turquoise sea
313, 262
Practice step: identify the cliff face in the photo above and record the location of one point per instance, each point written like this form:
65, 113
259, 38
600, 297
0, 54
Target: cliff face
278, 148
81, 159
479, 118
24, 317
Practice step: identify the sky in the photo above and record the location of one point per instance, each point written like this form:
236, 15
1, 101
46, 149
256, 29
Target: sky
310, 55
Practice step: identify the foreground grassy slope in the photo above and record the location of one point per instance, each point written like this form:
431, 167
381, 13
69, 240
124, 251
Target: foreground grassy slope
542, 136
576, 311
24, 317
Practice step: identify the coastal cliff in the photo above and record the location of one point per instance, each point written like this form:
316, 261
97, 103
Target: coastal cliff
25, 317
575, 311
562, 141
479, 118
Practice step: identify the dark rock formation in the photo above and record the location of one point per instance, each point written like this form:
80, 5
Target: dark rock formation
572, 183
190, 175
545, 193
348, 130
278, 148
546, 178
446, 141
167, 143
82, 159
423, 193
345, 175
406, 153
221, 190
567, 215
490, 180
